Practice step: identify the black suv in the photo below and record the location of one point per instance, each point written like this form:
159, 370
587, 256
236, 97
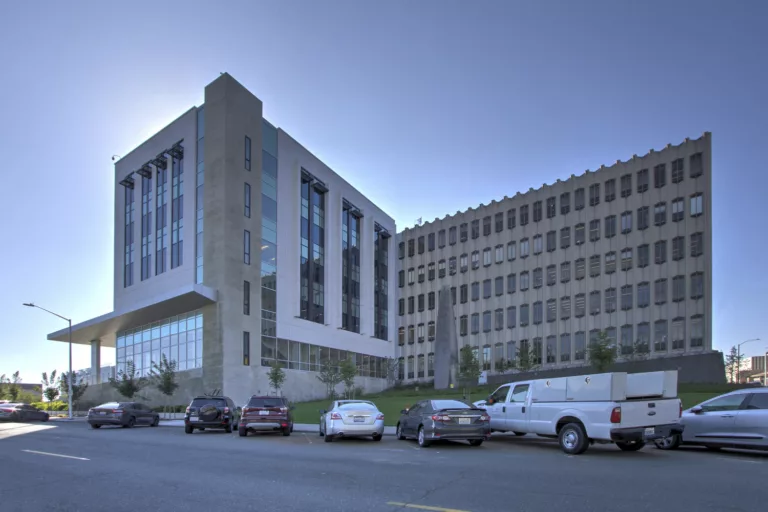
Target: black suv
211, 412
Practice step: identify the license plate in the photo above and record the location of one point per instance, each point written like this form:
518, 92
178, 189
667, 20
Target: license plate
102, 413
464, 421
193, 418
263, 413
650, 431
359, 419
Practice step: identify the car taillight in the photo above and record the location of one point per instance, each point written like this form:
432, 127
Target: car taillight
335, 416
680, 414
187, 411
246, 410
616, 415
117, 411
439, 417
5, 410
380, 417
485, 417
283, 409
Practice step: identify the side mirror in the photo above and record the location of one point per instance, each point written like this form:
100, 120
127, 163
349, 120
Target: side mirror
323, 411
696, 410
490, 401
404, 411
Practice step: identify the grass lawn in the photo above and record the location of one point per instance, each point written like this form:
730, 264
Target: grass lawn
391, 402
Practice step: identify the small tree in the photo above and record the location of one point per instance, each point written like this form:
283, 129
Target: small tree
163, 376
469, 368
11, 387
128, 382
329, 375
391, 368
50, 387
733, 361
526, 359
276, 376
602, 352
347, 373
79, 386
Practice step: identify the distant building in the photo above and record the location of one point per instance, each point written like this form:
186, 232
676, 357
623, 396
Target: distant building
758, 363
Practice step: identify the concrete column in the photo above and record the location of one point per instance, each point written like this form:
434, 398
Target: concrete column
96, 360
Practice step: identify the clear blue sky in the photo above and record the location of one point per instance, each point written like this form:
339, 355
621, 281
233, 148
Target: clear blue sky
427, 107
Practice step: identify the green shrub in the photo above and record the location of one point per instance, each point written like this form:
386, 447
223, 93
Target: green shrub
56, 405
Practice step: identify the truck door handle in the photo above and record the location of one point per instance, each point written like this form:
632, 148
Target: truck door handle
523, 409
504, 409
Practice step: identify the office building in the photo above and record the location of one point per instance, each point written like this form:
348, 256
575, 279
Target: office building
235, 247
624, 250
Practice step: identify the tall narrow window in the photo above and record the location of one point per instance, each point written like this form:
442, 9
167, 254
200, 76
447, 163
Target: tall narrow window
312, 266
177, 212
128, 257
246, 348
247, 247
350, 268
381, 282
199, 196
146, 224
161, 221
247, 200
247, 153
246, 297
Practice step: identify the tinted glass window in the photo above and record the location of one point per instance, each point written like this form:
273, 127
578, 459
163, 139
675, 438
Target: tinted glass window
216, 402
519, 393
265, 402
357, 406
110, 405
758, 401
448, 404
725, 403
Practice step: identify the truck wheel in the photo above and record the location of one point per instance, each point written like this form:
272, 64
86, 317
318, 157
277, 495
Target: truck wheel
668, 443
631, 447
573, 440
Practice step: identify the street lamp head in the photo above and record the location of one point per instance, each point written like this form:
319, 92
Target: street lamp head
29, 304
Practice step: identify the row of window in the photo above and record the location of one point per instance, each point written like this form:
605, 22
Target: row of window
625, 257
611, 224
635, 340
661, 294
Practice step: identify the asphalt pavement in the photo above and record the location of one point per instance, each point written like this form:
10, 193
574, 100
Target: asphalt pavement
66, 466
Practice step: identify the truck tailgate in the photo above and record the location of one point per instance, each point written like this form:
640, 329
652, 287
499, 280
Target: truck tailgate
647, 413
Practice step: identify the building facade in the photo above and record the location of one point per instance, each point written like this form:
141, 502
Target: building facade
236, 248
624, 250
758, 363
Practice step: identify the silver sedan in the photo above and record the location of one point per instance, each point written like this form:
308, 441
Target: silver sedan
351, 418
735, 420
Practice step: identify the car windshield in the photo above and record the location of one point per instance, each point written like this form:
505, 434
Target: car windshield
265, 402
449, 404
366, 406
216, 402
109, 405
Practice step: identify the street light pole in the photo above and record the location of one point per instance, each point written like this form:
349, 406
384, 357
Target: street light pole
738, 359
69, 335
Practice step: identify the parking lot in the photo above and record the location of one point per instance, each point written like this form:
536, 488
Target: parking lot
67, 466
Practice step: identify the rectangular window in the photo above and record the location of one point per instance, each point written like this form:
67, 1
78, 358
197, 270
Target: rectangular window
247, 247
660, 336
565, 203
487, 257
697, 205
524, 248
498, 319
511, 317
696, 168
697, 330
626, 222
431, 242
420, 334
486, 288
677, 170
511, 283
660, 175
580, 234
246, 348
463, 263
441, 269
551, 241
431, 271
565, 347
536, 211
524, 215
678, 288
537, 244
441, 238
247, 153
643, 295
594, 230
464, 293
538, 313
677, 334
247, 201
463, 232
594, 194
411, 305
578, 199
246, 297
580, 305
475, 323
678, 248
525, 281
551, 310
594, 302
431, 331
642, 181
177, 212
626, 185
511, 251
476, 290
643, 217
551, 207
610, 300
626, 259
452, 235
511, 218
594, 265
565, 238
565, 308
421, 273
452, 265
463, 325
487, 225
551, 275
498, 221
660, 214
538, 277
678, 209
660, 292
610, 262
401, 278
146, 226
401, 307
581, 269
660, 252
643, 255
565, 271
626, 297
610, 190
610, 226
524, 315
161, 221
697, 244
498, 285
312, 250
499, 254
411, 276
475, 229
420, 241
475, 260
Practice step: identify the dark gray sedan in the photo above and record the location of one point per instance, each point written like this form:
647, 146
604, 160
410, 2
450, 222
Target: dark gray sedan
439, 419
21, 412
122, 414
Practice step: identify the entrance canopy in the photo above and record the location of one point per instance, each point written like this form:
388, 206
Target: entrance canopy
104, 327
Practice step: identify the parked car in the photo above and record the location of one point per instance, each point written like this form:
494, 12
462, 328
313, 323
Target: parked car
122, 414
266, 414
21, 412
212, 412
351, 418
625, 409
734, 420
436, 420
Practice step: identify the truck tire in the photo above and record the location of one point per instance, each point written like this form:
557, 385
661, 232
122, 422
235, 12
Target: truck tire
573, 439
631, 447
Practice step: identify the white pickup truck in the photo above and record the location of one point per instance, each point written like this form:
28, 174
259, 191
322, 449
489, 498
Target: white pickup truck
625, 409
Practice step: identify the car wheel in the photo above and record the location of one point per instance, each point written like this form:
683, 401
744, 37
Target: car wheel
156, 421
131, 423
475, 442
328, 438
228, 428
45, 418
631, 447
291, 428
519, 434
286, 431
399, 433
668, 443
243, 432
423, 442
320, 429
187, 429
377, 437
573, 440
94, 425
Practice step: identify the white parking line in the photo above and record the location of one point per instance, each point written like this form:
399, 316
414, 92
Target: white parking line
734, 459
307, 438
55, 455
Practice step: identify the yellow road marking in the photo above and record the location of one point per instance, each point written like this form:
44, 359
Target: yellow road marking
424, 507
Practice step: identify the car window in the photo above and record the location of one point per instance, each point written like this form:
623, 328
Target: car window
519, 393
500, 395
414, 410
758, 401
109, 405
448, 404
724, 403
358, 406
216, 402
265, 402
